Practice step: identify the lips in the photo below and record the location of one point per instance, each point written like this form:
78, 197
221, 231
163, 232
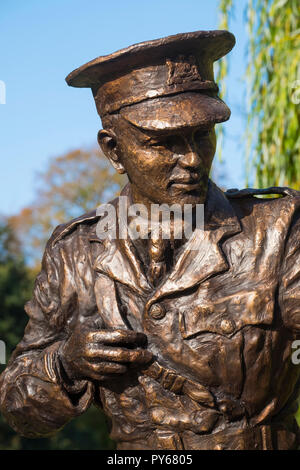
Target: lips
188, 186
185, 183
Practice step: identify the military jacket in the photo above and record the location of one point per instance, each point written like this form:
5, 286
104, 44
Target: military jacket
221, 326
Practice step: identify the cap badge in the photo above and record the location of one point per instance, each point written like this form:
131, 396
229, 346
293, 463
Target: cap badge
183, 69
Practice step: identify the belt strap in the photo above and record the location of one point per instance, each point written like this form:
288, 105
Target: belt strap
266, 438
262, 437
171, 380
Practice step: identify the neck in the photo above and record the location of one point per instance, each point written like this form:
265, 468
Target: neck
138, 198
175, 225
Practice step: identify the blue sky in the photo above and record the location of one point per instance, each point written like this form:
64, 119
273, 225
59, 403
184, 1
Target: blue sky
42, 41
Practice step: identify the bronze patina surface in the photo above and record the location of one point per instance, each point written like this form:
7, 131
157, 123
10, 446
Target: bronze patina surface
185, 344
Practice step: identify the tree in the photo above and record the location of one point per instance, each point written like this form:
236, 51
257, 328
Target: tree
15, 288
72, 184
273, 74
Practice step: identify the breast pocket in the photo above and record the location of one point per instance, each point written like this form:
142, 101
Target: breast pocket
227, 314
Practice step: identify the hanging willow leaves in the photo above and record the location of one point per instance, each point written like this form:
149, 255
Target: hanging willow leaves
225, 7
273, 72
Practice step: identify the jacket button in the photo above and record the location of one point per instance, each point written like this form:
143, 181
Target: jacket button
227, 326
157, 311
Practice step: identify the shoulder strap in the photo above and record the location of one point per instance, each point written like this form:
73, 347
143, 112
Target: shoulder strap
64, 229
250, 192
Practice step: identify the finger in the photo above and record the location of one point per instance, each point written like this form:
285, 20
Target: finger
112, 368
139, 356
156, 395
106, 377
117, 336
100, 376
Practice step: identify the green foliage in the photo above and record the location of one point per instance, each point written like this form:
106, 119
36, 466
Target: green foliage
225, 7
273, 73
88, 432
15, 288
273, 68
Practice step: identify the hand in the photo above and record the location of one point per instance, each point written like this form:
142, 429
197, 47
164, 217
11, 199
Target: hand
102, 354
176, 412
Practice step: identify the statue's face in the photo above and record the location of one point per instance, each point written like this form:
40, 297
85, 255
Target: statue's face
166, 167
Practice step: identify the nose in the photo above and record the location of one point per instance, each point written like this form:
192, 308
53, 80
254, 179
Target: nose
190, 158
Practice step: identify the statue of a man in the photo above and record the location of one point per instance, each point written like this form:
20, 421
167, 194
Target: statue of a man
184, 343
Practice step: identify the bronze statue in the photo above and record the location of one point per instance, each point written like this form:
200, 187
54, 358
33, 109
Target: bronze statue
184, 343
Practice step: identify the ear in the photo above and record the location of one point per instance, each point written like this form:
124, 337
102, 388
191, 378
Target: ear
108, 144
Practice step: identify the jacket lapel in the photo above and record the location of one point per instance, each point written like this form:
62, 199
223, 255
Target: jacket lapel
202, 256
120, 262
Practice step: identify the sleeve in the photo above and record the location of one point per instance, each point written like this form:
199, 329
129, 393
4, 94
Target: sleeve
289, 288
36, 397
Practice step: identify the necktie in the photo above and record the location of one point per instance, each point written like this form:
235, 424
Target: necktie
158, 252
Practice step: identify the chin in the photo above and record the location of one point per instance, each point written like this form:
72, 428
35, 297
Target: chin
192, 199
189, 197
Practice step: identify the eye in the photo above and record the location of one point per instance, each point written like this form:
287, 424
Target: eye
171, 143
201, 134
158, 143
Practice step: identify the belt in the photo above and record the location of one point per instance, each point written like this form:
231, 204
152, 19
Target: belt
261, 437
172, 381
264, 437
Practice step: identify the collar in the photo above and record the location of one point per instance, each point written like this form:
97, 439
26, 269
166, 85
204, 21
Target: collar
198, 259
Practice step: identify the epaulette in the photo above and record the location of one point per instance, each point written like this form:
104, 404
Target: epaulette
64, 229
250, 192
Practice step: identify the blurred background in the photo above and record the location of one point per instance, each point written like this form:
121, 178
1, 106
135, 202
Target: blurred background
51, 168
